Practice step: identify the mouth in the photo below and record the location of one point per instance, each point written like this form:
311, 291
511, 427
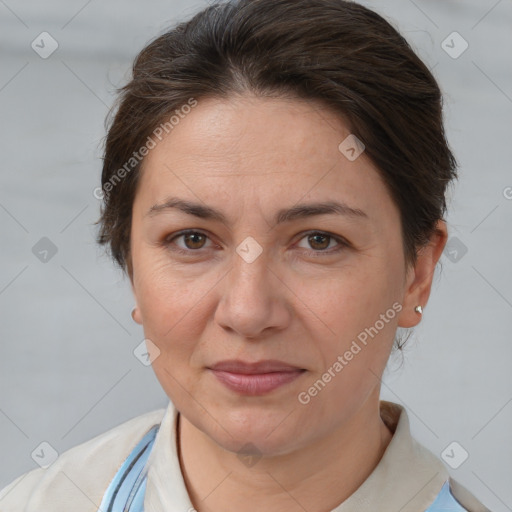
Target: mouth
255, 379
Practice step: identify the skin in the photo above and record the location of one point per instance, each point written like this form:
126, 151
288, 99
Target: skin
249, 157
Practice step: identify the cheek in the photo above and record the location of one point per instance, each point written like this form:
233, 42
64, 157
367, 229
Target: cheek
171, 314
167, 291
352, 299
359, 314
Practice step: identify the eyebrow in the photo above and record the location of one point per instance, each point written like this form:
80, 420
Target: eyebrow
299, 211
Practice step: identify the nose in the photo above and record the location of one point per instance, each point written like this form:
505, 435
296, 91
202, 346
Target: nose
254, 299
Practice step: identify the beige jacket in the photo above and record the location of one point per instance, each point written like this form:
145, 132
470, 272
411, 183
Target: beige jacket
407, 479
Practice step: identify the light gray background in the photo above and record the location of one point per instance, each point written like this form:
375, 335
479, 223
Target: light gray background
67, 371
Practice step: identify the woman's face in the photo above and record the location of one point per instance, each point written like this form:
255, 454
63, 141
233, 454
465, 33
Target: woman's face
263, 276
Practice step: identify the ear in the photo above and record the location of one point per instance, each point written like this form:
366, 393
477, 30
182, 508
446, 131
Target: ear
419, 277
136, 315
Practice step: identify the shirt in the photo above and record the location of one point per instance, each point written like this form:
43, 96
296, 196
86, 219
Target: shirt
408, 477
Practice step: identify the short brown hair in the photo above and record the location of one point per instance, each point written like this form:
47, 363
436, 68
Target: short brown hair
335, 51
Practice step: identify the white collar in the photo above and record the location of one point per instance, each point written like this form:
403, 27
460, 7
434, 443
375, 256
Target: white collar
407, 478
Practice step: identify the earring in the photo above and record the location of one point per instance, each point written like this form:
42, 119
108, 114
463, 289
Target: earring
418, 309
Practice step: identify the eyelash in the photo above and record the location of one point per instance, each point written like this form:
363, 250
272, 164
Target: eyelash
342, 243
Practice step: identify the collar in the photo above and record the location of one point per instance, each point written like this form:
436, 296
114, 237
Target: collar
408, 477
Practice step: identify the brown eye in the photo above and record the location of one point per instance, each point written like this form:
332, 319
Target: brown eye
322, 243
194, 240
319, 241
187, 242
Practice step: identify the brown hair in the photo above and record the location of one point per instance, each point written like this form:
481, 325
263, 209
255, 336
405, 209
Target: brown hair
335, 51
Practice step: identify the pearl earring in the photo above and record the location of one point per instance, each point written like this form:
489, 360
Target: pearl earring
418, 309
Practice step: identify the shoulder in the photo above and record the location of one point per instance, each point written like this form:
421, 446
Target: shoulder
465, 498
406, 457
80, 475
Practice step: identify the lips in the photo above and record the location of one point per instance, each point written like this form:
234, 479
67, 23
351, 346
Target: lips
256, 378
268, 366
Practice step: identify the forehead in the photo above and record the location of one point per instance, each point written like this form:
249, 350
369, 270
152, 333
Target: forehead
245, 148
249, 129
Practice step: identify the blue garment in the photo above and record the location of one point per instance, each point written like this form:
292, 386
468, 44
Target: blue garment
445, 502
126, 491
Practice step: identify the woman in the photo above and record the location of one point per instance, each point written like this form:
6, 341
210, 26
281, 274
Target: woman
274, 187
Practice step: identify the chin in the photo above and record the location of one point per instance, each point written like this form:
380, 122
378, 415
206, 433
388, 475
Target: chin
254, 429
256, 443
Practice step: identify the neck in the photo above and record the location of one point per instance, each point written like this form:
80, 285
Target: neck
316, 478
